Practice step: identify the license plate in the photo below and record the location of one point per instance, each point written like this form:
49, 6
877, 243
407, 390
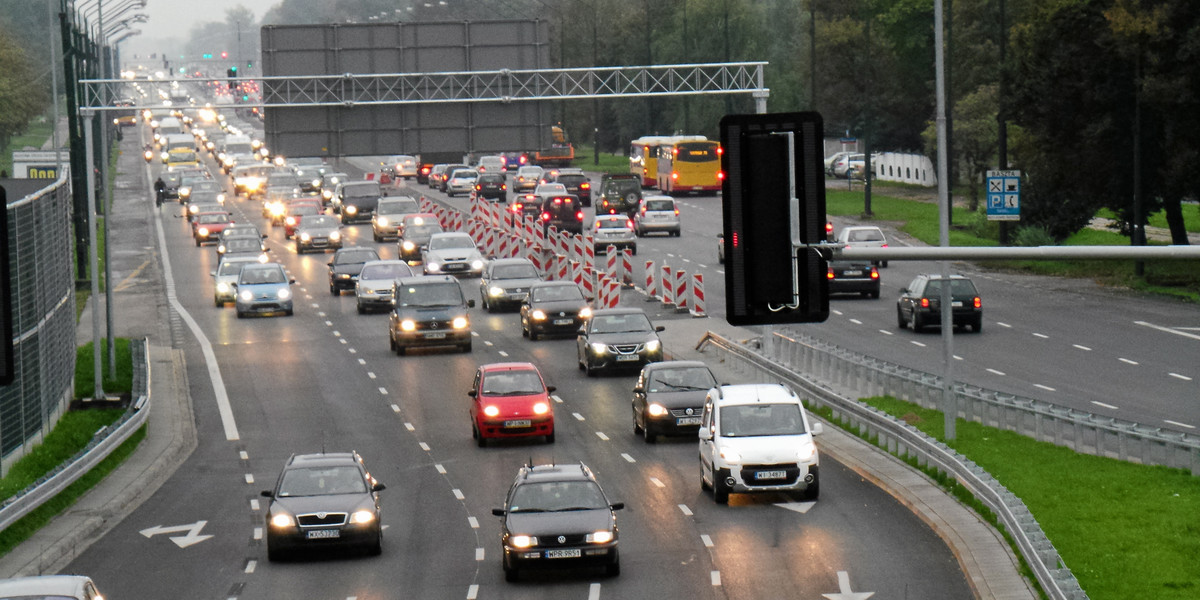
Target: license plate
770, 474
852, 273
697, 187
563, 321
517, 423
439, 335
572, 553
956, 304
687, 421
456, 267
323, 534
627, 357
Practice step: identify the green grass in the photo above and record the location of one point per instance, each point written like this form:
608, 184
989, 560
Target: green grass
39, 131
609, 163
1107, 518
85, 369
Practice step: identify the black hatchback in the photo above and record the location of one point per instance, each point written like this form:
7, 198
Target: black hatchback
492, 186
562, 212
919, 304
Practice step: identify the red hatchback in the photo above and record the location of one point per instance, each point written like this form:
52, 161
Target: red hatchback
510, 400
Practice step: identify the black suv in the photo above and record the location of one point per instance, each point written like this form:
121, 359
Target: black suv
562, 212
920, 303
322, 500
557, 516
355, 201
429, 311
577, 184
347, 263
619, 193
492, 186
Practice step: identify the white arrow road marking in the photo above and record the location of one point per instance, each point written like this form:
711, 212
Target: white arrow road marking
845, 593
800, 507
183, 541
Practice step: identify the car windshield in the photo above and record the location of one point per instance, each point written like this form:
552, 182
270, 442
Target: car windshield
355, 256
681, 379
362, 191
321, 481
261, 276
398, 207
515, 272
454, 241
429, 295
318, 221
512, 383
230, 268
660, 205
385, 271
553, 496
283, 180
630, 323
305, 209
243, 244
556, 293
958, 287
422, 231
212, 218
464, 174
761, 419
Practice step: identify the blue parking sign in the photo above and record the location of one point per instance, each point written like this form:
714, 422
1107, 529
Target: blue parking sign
1003, 195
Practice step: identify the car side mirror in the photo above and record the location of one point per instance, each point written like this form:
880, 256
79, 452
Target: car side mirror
267, 494
706, 434
470, 304
817, 428
637, 389
720, 236
378, 487
551, 389
330, 263
617, 505
213, 273
291, 281
472, 393
660, 328
582, 331
499, 512
264, 236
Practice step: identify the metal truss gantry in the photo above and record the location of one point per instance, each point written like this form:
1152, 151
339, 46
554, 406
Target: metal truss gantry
352, 89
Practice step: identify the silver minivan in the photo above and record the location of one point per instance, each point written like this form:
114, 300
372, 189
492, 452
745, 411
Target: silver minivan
657, 214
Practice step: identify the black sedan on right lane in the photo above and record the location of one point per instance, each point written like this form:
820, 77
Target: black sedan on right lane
616, 338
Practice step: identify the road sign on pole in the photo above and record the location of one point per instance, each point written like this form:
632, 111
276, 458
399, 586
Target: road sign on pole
1004, 195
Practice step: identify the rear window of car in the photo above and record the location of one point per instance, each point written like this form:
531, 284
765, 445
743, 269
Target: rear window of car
362, 190
958, 287
660, 205
556, 293
866, 235
571, 179
696, 152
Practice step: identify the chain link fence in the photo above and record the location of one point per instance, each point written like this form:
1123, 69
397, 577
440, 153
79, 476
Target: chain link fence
42, 282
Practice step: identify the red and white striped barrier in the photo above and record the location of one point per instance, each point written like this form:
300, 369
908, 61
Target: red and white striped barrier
609, 291
456, 218
651, 286
502, 245
610, 260
627, 267
698, 296
681, 290
576, 272
668, 286
588, 281
562, 268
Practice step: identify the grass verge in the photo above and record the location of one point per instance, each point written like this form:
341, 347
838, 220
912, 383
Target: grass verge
85, 383
1124, 530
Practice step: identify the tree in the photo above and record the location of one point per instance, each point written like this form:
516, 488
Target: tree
974, 137
21, 95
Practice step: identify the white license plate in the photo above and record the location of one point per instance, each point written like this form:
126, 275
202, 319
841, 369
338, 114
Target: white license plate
770, 475
851, 273
572, 553
563, 321
627, 357
323, 534
517, 423
438, 335
697, 187
956, 304
687, 421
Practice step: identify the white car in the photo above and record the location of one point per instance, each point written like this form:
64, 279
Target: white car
373, 288
452, 253
863, 237
461, 181
492, 164
757, 438
657, 214
64, 587
404, 166
614, 230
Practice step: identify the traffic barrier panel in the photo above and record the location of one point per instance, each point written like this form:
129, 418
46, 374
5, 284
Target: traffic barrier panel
681, 291
668, 286
588, 281
698, 296
651, 286
614, 292
627, 267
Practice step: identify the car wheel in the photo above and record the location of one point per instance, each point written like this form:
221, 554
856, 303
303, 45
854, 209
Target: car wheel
587, 368
883, 264
633, 250
465, 347
917, 325
400, 350
550, 438
720, 489
197, 242
217, 303
613, 569
334, 291
376, 236
299, 250
391, 342
900, 322
977, 325
637, 429
376, 548
480, 440
240, 314
814, 489
510, 574
703, 484
362, 310
274, 554
533, 334
648, 436
875, 294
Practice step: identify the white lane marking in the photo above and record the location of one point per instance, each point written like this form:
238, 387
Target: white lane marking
250, 565
254, 505
1178, 376
362, 361
337, 333
473, 591
600, 434
708, 543
343, 341
628, 458
474, 334
578, 417
1167, 329
836, 312
371, 374
440, 469
657, 483
458, 494
594, 591
1178, 424
424, 446
956, 357
1041, 335
258, 533
916, 343
1044, 387
409, 426
1104, 405
856, 321
716, 578
244, 455
687, 512
249, 478
995, 372
321, 314
1128, 362
503, 353
1002, 324
556, 398
473, 522
383, 391
329, 323
885, 332
487, 343
395, 409
479, 554
352, 351
1084, 348
210, 357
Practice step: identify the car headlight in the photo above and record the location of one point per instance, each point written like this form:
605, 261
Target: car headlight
522, 541
806, 452
477, 264
352, 210
277, 210
194, 209
432, 266
326, 194
185, 191
600, 537
164, 156
653, 345
282, 520
585, 312
460, 323
598, 348
316, 183
223, 287
496, 291
382, 221
730, 456
284, 294
202, 232
362, 516
305, 237
539, 314
656, 410
221, 198
335, 236
408, 325
408, 246
541, 408
344, 276
262, 258
491, 411
245, 295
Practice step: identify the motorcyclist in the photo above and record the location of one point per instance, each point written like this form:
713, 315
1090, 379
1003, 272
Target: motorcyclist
160, 191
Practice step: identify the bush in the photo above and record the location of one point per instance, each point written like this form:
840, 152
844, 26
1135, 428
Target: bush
1033, 235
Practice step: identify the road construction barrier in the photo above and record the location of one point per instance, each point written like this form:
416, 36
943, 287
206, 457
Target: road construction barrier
627, 268
697, 308
668, 286
651, 285
587, 280
681, 291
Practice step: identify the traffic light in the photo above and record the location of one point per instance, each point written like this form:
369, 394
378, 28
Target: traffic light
232, 73
208, 55
773, 203
224, 55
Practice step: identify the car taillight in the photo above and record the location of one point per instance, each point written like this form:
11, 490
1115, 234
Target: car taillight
503, 186
546, 216
977, 302
674, 175
677, 212
516, 207
874, 273
828, 228
924, 302
720, 174
478, 187
585, 186
829, 273
629, 224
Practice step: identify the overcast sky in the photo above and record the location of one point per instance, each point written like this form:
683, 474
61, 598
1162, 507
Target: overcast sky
170, 22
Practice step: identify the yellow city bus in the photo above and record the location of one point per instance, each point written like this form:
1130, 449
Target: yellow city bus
687, 165
643, 158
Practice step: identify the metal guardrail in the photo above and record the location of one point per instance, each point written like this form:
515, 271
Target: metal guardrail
1080, 431
906, 440
103, 443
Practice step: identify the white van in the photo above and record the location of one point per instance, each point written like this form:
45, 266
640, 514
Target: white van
757, 438
492, 164
238, 144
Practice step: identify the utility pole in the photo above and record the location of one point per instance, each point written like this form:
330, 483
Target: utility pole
1001, 117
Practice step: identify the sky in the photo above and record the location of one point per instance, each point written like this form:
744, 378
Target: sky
172, 20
